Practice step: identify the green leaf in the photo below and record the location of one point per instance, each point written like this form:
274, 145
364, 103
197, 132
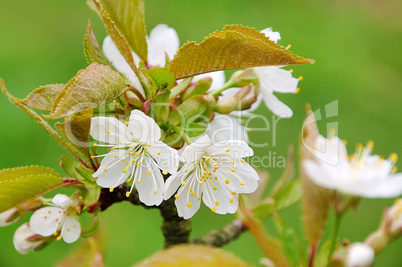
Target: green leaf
117, 36
161, 78
234, 47
90, 88
91, 228
128, 16
92, 196
193, 129
174, 140
43, 97
290, 195
18, 185
293, 248
92, 50
192, 255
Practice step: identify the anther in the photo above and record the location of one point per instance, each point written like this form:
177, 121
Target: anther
241, 183
233, 170
227, 181
393, 157
108, 132
155, 191
164, 172
216, 203
213, 209
127, 194
95, 144
127, 123
58, 238
233, 192
297, 90
183, 183
176, 196
105, 169
189, 204
92, 157
148, 172
301, 78
111, 189
227, 150
192, 193
199, 197
231, 200
158, 153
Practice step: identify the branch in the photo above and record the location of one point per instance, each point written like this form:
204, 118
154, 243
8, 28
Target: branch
219, 238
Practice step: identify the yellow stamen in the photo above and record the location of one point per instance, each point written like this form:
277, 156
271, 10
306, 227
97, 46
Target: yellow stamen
58, 238
183, 183
111, 189
199, 197
95, 144
232, 170
227, 150
216, 203
213, 209
158, 153
138, 181
241, 183
148, 172
227, 181
186, 170
233, 192
92, 157
176, 196
127, 123
297, 90
301, 78
189, 204
393, 157
192, 193
105, 170
231, 200
127, 194
164, 172
155, 191
108, 132
243, 161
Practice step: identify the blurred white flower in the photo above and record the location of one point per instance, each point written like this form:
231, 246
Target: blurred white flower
136, 155
25, 240
362, 174
215, 172
359, 255
62, 216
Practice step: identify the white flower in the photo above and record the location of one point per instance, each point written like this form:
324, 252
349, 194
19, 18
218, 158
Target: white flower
224, 127
215, 172
62, 216
25, 240
359, 255
362, 174
6, 217
136, 155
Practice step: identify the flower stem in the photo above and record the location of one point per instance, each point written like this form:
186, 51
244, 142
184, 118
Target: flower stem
334, 234
227, 85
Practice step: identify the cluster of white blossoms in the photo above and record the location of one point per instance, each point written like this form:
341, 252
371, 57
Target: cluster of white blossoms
215, 171
361, 174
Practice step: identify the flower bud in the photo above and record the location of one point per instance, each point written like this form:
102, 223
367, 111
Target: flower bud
359, 255
26, 240
394, 215
244, 77
10, 216
242, 100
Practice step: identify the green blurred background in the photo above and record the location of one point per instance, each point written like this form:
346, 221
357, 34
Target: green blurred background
357, 48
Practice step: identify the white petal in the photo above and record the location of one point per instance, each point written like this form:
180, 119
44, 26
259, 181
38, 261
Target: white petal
274, 36
241, 176
114, 175
108, 130
234, 149
175, 180
44, 223
185, 197
144, 128
196, 149
274, 79
228, 203
70, 230
114, 56
62, 200
149, 182
168, 158
162, 39
275, 105
319, 175
224, 127
218, 79
387, 188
